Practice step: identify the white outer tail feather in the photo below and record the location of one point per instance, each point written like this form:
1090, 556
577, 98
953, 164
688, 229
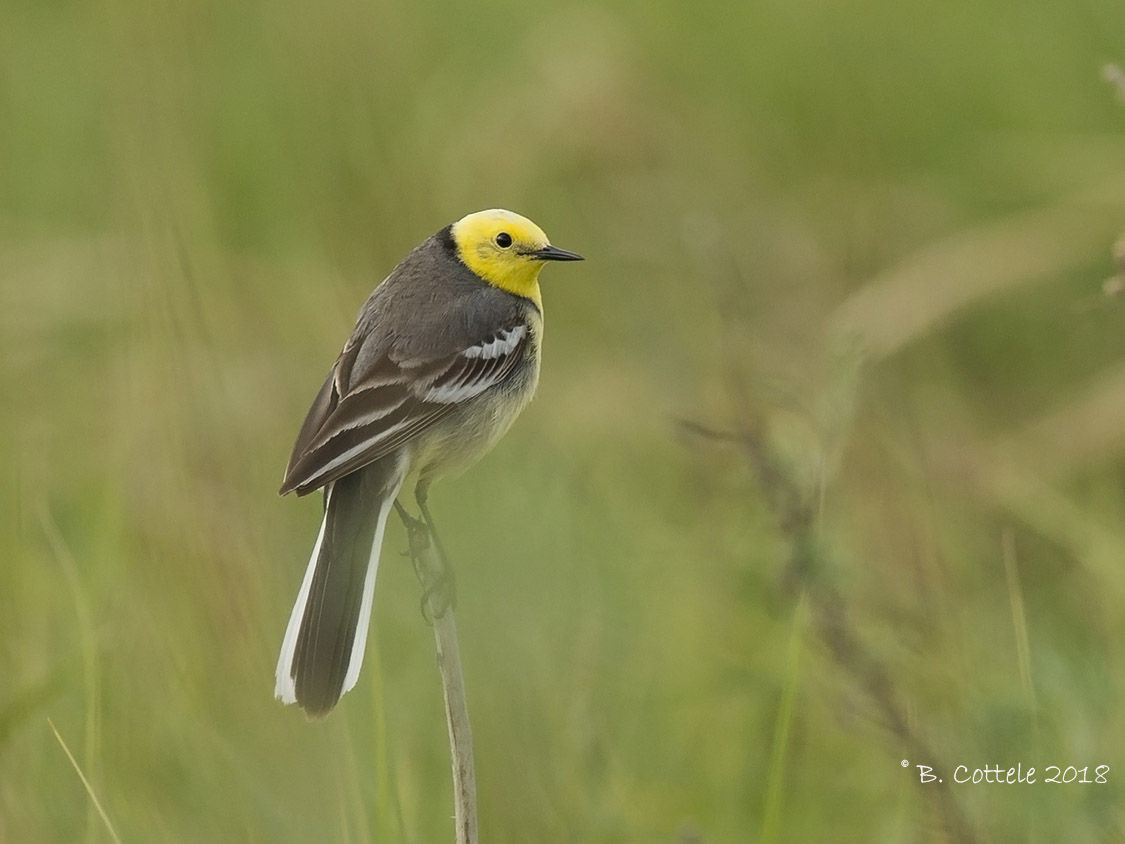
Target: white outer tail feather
359, 644
285, 689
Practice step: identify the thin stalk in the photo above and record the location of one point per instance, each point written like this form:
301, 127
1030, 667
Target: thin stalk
433, 573
457, 721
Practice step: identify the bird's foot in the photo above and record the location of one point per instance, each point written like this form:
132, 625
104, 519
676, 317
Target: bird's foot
439, 589
439, 595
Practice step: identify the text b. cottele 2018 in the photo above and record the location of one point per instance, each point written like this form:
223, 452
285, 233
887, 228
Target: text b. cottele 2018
997, 774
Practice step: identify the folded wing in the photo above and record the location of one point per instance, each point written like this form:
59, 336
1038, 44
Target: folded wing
363, 413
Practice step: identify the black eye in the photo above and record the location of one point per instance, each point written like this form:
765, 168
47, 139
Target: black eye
503, 240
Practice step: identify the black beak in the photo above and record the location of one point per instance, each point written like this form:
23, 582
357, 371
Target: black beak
553, 253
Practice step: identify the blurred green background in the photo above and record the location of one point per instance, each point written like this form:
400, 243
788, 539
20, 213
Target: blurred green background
882, 228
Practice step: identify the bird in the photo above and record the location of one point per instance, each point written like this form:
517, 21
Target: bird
443, 357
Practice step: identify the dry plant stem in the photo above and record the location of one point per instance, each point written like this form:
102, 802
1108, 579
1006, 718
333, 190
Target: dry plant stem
431, 571
796, 519
457, 720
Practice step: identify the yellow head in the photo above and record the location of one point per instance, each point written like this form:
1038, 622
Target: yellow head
506, 250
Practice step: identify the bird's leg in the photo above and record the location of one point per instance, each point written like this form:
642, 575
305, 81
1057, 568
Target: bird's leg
421, 537
443, 587
417, 534
418, 538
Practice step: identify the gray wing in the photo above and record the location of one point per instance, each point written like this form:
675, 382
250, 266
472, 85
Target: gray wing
374, 402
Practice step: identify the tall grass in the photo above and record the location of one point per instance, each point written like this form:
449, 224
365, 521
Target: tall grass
882, 229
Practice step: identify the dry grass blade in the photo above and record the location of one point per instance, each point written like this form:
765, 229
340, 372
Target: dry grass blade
1087, 429
86, 784
1010, 486
916, 297
1115, 76
1019, 615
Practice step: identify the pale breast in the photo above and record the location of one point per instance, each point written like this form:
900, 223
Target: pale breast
467, 433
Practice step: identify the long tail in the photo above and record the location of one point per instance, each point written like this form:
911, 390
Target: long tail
327, 633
